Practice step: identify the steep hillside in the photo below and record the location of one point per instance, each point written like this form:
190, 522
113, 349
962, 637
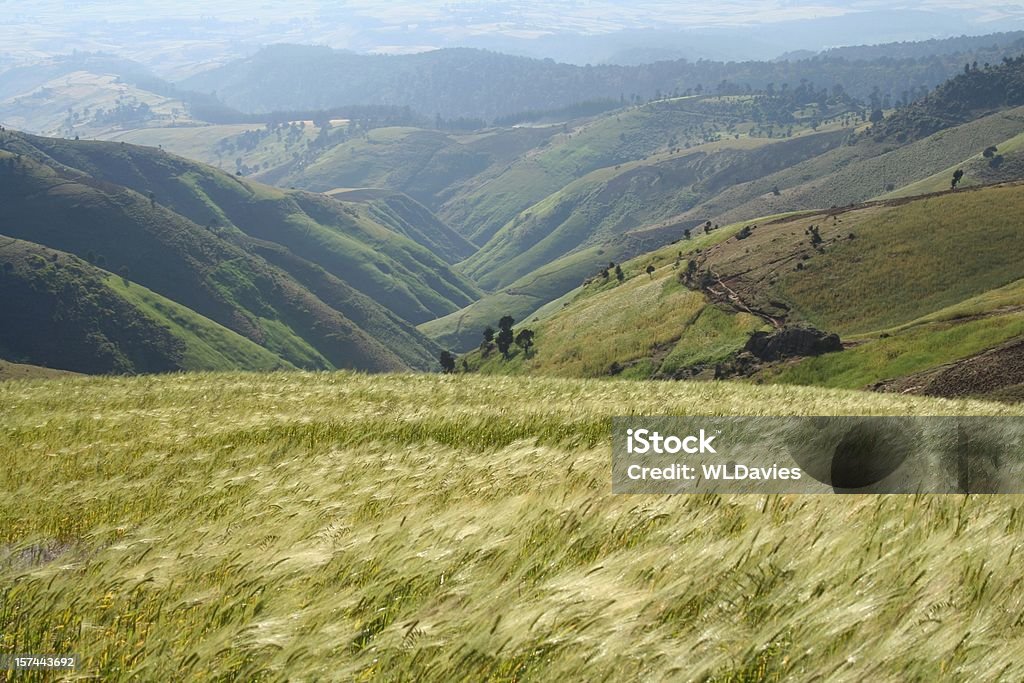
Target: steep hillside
675, 126
209, 272
854, 173
59, 311
87, 328
428, 165
407, 217
612, 201
347, 239
910, 285
958, 100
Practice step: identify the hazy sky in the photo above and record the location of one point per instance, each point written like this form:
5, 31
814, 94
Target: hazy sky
172, 37
592, 14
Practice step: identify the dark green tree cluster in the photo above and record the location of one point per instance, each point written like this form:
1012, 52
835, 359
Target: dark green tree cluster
505, 337
955, 101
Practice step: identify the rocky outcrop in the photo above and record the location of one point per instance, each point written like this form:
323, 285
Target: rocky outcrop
792, 342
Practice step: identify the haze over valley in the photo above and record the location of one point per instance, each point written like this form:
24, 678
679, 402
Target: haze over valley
315, 317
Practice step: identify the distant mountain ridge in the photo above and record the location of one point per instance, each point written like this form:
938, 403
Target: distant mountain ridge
921, 49
463, 82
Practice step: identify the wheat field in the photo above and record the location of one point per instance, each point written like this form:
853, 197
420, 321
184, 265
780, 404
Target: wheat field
339, 526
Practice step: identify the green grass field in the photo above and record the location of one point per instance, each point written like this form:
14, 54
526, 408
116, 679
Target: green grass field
339, 526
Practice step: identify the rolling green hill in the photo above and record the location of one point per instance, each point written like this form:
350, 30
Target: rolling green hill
214, 271
88, 94
337, 526
674, 126
607, 203
428, 165
911, 285
870, 168
95, 322
345, 238
527, 256
228, 146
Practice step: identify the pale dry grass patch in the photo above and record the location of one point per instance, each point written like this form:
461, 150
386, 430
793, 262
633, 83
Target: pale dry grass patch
341, 526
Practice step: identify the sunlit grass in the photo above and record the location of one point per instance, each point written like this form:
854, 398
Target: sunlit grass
338, 526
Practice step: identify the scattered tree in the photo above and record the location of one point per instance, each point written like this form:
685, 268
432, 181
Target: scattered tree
504, 338
650, 271
619, 275
815, 236
989, 152
524, 340
488, 334
957, 177
448, 362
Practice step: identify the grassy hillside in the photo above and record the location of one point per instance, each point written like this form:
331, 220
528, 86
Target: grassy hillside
221, 145
428, 165
604, 321
906, 259
676, 125
609, 202
678, 188
859, 172
206, 345
407, 217
340, 526
211, 271
9, 371
996, 163
86, 326
85, 93
346, 239
461, 330
911, 285
61, 312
